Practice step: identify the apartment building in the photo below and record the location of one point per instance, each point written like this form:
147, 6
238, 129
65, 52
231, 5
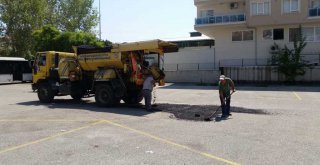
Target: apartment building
244, 30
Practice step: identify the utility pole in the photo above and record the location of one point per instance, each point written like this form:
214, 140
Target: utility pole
99, 20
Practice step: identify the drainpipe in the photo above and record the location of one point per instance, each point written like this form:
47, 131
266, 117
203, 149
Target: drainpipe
214, 57
256, 45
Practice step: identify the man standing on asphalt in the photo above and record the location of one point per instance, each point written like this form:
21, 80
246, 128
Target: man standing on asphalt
225, 86
148, 85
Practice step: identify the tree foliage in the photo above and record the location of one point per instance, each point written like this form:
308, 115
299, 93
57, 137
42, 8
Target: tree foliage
76, 15
289, 61
71, 15
50, 38
20, 18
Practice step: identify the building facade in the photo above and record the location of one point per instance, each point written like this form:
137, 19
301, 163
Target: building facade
245, 30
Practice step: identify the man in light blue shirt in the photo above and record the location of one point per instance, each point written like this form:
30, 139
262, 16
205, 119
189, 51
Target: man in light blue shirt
148, 85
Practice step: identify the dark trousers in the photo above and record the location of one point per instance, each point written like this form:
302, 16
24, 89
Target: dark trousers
147, 98
225, 105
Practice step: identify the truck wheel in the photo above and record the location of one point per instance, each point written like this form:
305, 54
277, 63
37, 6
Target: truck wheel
76, 91
104, 96
45, 93
133, 98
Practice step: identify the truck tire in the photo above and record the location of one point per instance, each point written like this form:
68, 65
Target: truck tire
104, 96
133, 98
45, 93
76, 91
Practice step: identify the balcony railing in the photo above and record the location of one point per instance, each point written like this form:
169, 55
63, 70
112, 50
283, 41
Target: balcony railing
224, 19
314, 12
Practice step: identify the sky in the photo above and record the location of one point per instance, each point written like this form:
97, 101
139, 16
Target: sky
138, 20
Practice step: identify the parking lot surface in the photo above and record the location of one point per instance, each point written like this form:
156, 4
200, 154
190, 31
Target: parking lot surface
69, 132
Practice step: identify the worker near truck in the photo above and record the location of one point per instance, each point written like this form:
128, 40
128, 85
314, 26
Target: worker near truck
148, 85
225, 86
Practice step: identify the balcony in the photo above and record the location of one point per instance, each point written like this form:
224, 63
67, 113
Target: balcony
314, 12
203, 2
218, 20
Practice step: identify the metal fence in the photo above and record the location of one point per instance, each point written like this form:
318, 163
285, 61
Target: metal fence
189, 66
244, 62
221, 19
311, 59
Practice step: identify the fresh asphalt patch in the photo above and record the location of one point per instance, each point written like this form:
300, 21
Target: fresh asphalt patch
201, 112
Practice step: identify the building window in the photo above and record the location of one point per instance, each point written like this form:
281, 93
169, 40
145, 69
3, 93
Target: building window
312, 34
260, 8
206, 13
275, 34
290, 6
237, 36
242, 35
294, 34
278, 34
314, 8
314, 4
268, 34
308, 33
247, 35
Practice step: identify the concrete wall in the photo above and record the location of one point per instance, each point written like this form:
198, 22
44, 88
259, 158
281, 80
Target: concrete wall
263, 45
189, 58
277, 16
222, 8
228, 49
258, 48
268, 74
192, 76
191, 55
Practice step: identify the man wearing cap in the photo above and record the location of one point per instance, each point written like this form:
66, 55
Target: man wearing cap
225, 86
148, 85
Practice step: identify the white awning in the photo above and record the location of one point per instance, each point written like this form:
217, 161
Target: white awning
12, 59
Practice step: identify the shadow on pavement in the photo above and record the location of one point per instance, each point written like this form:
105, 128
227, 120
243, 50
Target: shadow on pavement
177, 111
123, 109
249, 87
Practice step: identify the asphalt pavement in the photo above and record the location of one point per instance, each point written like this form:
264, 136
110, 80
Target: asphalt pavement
69, 132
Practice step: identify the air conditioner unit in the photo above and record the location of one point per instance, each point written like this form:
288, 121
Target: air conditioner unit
234, 5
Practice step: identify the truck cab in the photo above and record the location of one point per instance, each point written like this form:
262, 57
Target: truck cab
46, 79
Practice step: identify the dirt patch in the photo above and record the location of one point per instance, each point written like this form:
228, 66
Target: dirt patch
201, 112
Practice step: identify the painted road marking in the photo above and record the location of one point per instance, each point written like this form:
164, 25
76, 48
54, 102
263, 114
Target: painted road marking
35, 120
124, 127
297, 96
50, 137
173, 143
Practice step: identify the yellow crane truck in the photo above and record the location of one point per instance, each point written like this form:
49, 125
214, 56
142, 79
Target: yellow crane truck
111, 74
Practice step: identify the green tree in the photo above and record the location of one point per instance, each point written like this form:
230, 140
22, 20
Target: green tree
67, 40
289, 61
45, 38
20, 18
50, 38
76, 15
